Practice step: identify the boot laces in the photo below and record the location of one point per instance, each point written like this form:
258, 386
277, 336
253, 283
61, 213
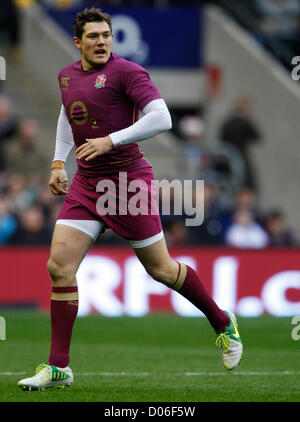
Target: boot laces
43, 372
223, 341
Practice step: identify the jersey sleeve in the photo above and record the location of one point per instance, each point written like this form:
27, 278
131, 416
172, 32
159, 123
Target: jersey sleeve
138, 86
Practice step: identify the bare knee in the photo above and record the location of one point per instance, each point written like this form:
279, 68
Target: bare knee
164, 273
61, 273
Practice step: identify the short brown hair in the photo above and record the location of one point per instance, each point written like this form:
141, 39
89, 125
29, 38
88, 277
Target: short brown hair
89, 15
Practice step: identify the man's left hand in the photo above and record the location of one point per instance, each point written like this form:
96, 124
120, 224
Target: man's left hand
94, 147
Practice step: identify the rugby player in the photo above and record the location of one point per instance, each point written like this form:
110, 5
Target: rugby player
102, 95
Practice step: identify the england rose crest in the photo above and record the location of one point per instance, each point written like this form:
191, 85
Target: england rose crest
100, 81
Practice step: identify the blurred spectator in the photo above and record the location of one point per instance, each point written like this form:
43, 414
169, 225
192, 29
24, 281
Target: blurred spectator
240, 131
33, 229
245, 232
192, 127
25, 154
176, 233
8, 126
49, 203
280, 19
8, 223
20, 194
192, 130
219, 161
246, 199
228, 165
278, 231
170, 201
210, 231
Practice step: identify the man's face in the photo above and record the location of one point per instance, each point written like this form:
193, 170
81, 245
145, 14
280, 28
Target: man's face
95, 44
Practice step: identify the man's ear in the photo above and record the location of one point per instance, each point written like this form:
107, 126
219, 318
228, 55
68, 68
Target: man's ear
76, 42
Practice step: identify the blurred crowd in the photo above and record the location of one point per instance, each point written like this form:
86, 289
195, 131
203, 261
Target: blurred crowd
280, 20
28, 210
232, 216
68, 4
239, 225
228, 160
274, 24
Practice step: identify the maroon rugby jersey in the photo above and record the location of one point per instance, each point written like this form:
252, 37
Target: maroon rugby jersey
102, 101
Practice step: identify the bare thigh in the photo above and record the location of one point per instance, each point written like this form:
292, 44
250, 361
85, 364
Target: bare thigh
68, 248
158, 263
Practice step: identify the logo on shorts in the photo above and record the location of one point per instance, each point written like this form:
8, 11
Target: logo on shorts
100, 81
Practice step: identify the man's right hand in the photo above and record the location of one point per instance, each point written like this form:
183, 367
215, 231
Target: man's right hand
58, 180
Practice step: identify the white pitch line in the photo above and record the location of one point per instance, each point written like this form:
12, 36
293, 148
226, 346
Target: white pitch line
12, 373
112, 374
238, 373
184, 374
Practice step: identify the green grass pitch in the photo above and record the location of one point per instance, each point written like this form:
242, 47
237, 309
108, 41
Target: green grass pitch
158, 358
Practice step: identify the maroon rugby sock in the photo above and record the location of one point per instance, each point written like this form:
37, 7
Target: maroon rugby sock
64, 308
191, 287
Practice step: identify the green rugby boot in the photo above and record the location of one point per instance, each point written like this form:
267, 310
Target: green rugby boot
47, 376
229, 341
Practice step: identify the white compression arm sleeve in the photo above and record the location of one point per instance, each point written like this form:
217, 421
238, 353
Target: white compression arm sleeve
64, 137
156, 119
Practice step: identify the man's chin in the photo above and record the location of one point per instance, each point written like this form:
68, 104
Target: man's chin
100, 61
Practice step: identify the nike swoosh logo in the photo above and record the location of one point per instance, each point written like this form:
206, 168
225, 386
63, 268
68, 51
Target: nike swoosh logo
236, 333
